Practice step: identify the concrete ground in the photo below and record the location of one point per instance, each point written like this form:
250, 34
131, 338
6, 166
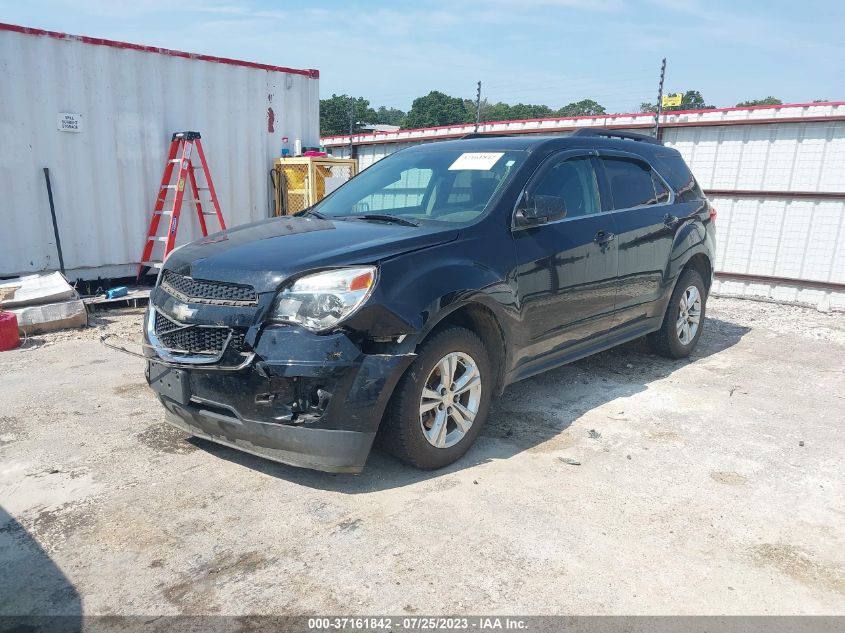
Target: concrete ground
621, 484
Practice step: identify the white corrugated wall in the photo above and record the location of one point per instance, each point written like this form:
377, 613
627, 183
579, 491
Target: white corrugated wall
761, 176
774, 234
105, 178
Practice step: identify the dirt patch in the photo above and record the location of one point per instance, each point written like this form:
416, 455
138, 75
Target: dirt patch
800, 565
52, 527
515, 425
11, 430
134, 390
729, 478
666, 436
196, 592
349, 525
164, 438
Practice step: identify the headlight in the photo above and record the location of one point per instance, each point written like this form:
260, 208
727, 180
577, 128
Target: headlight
322, 300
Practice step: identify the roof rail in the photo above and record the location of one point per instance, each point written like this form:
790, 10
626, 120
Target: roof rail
643, 138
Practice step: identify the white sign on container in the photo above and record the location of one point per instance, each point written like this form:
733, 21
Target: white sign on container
68, 122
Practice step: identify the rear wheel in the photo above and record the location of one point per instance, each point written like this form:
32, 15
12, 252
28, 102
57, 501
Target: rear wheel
683, 322
441, 402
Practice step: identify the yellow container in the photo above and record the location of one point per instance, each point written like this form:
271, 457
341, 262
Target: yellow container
301, 182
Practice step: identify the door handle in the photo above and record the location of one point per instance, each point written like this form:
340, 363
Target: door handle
670, 220
604, 237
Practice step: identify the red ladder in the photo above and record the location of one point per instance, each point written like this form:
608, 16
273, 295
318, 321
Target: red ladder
181, 149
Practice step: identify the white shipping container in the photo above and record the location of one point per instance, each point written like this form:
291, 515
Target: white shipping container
100, 114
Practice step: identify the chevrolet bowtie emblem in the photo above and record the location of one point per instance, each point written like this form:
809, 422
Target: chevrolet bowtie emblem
181, 312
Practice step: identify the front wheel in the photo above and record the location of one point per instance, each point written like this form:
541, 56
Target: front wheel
441, 402
683, 322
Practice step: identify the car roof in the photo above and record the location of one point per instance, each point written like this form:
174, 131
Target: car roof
531, 143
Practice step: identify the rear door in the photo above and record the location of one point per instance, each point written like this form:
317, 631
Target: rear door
566, 269
645, 229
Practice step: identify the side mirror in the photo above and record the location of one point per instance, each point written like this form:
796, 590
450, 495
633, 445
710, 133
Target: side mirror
539, 209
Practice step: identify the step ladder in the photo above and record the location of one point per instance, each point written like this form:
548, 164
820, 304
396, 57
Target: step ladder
182, 146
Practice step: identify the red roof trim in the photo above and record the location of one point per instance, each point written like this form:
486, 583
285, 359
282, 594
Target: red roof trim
309, 72
620, 126
630, 115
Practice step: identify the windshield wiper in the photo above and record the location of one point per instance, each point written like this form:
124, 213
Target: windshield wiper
316, 214
383, 217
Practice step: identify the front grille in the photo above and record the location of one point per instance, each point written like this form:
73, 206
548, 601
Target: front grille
203, 291
198, 338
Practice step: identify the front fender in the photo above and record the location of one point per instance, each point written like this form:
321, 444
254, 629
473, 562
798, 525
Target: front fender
416, 291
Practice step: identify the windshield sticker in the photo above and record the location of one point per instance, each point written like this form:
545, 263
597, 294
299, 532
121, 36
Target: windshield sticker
483, 161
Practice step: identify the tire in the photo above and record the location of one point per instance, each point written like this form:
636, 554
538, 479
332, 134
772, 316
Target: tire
405, 431
672, 340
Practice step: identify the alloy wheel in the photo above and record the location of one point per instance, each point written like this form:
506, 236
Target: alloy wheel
689, 315
450, 399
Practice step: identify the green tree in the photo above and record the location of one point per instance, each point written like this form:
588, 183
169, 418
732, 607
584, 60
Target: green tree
585, 107
389, 116
760, 102
436, 108
501, 111
530, 111
691, 100
334, 114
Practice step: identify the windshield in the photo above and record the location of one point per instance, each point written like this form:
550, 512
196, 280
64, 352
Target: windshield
427, 184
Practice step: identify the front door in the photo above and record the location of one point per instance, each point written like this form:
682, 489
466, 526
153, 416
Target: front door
566, 269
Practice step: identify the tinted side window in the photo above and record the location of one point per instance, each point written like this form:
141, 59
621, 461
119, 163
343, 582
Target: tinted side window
673, 168
631, 183
573, 180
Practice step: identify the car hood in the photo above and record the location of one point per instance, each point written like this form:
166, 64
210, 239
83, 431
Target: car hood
265, 253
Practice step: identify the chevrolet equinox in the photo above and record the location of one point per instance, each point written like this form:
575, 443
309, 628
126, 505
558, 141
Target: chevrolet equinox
402, 303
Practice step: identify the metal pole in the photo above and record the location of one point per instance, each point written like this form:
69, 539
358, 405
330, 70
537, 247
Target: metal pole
478, 107
659, 100
55, 223
351, 122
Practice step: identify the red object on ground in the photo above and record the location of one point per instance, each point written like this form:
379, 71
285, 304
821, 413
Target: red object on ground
9, 337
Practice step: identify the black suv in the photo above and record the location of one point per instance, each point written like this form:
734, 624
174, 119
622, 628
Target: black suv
401, 304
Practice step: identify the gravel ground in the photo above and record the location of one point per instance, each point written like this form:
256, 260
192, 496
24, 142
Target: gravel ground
620, 484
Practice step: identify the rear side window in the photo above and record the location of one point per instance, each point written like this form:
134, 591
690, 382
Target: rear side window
633, 184
659, 188
677, 174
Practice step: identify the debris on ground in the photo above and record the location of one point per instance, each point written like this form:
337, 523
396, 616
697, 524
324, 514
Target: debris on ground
44, 303
593, 434
36, 289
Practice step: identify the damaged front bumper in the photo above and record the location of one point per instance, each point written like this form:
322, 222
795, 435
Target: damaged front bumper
299, 398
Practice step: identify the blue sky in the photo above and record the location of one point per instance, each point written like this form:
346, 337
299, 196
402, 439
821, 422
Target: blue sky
534, 51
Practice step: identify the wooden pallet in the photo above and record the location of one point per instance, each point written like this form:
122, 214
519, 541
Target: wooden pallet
136, 297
